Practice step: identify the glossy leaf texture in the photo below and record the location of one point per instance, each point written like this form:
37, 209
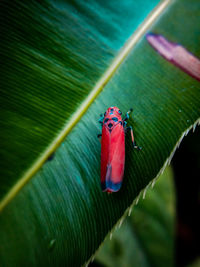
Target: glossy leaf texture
61, 216
53, 54
145, 236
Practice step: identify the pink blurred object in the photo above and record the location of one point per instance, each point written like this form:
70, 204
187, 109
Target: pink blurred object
175, 54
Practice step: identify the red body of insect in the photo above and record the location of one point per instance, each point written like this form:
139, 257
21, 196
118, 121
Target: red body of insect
112, 150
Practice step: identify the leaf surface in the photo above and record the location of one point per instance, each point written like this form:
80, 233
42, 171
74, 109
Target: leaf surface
148, 233
61, 216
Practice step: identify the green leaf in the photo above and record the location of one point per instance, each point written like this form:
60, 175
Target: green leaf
148, 233
55, 56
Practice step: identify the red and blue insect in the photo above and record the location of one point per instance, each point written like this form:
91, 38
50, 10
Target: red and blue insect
113, 148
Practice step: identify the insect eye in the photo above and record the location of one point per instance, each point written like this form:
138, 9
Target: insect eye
115, 119
111, 109
119, 111
106, 120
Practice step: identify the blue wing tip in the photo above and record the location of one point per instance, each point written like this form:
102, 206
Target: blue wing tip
109, 186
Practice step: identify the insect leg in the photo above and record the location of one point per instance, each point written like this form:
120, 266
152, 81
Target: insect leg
127, 115
99, 135
101, 119
132, 137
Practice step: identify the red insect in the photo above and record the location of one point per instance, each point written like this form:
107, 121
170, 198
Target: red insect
113, 148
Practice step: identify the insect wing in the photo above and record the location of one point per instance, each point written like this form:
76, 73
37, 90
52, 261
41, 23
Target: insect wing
112, 158
105, 144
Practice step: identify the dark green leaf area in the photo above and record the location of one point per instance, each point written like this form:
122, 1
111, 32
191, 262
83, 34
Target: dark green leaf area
53, 53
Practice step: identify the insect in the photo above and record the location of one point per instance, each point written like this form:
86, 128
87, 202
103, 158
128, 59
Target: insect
113, 148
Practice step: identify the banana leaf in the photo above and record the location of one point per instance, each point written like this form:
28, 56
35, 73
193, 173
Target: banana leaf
64, 63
